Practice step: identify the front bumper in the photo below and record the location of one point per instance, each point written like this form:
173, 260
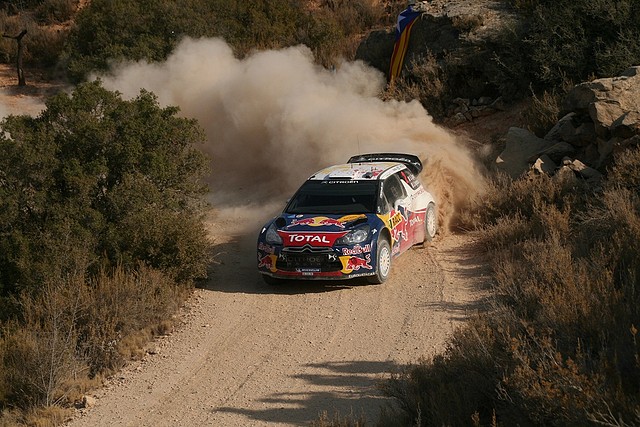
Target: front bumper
316, 263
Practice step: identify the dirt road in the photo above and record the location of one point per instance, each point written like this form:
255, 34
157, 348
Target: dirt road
248, 354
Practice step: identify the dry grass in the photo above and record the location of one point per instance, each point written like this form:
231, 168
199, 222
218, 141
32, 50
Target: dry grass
73, 332
559, 346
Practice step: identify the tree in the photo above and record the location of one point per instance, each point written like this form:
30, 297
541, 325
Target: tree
18, 39
96, 181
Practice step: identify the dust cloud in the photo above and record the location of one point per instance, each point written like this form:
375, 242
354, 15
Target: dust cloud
275, 117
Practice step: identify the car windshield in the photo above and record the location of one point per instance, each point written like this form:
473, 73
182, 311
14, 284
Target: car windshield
337, 197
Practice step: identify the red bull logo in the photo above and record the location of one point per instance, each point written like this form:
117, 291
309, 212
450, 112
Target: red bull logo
354, 263
356, 250
331, 221
305, 221
323, 221
267, 261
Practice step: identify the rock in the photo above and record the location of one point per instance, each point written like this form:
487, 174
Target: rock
482, 111
565, 174
86, 402
499, 104
589, 155
627, 125
573, 129
606, 100
545, 165
605, 150
559, 150
584, 171
456, 120
556, 132
521, 146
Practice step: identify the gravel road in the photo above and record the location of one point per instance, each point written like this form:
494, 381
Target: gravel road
249, 354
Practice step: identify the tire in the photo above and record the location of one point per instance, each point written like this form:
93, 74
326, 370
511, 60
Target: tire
383, 262
430, 223
271, 281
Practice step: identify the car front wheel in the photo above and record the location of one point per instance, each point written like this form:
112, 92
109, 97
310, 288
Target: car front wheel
383, 262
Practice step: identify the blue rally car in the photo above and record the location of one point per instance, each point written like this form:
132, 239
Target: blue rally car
348, 221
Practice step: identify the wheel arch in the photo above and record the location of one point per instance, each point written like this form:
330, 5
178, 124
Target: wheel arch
386, 234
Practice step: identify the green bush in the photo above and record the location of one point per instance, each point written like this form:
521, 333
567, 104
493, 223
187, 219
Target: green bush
575, 40
101, 236
109, 31
93, 172
55, 11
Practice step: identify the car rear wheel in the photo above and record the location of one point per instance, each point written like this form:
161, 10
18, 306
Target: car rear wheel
383, 262
430, 223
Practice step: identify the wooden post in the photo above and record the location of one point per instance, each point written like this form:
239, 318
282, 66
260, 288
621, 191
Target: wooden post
18, 39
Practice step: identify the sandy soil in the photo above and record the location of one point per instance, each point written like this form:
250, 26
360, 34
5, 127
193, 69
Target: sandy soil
27, 99
251, 354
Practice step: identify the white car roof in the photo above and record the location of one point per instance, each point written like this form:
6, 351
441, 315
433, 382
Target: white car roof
358, 171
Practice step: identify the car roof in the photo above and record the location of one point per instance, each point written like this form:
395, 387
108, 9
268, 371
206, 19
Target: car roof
369, 171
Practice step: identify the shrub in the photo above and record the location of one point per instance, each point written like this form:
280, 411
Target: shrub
74, 329
118, 306
580, 39
559, 345
55, 11
97, 181
39, 360
424, 81
543, 112
109, 31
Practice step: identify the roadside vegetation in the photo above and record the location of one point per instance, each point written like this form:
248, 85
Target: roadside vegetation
559, 342
554, 45
102, 236
558, 345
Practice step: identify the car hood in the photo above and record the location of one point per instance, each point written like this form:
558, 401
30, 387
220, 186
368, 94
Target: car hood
323, 223
317, 230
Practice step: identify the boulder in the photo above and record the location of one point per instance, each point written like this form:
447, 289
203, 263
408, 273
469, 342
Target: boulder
607, 101
559, 150
560, 128
545, 165
589, 174
521, 146
627, 125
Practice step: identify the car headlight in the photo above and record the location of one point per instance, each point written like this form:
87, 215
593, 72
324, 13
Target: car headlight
358, 235
272, 237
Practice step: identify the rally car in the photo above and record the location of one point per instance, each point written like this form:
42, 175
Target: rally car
348, 221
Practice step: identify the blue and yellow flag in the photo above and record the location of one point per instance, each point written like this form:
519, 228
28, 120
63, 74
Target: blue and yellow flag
406, 19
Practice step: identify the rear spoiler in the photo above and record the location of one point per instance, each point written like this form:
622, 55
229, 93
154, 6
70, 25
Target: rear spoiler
412, 162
